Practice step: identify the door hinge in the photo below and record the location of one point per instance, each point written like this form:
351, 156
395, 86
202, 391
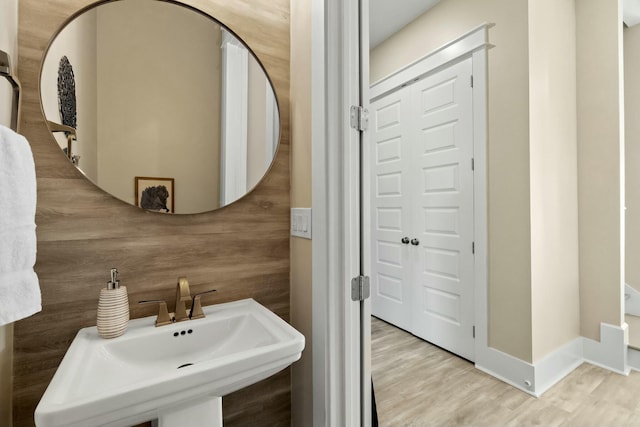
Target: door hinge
473, 164
474, 331
360, 288
473, 247
359, 118
472, 80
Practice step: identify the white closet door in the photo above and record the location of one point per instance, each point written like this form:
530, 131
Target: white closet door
443, 138
392, 275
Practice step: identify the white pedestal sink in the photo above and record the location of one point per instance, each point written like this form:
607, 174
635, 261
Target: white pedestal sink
176, 374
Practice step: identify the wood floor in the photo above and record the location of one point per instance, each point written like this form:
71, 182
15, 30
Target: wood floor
418, 384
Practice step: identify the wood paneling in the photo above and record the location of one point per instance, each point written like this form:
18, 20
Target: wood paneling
241, 250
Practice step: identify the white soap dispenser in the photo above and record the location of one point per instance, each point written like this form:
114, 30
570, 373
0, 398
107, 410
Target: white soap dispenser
113, 308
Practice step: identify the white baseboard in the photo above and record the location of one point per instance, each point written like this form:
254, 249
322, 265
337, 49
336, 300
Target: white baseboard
610, 353
507, 368
556, 365
633, 359
631, 300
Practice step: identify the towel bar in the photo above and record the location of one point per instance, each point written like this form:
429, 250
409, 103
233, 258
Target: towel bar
5, 71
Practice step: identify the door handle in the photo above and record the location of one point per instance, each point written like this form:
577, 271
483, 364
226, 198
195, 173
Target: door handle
405, 240
415, 242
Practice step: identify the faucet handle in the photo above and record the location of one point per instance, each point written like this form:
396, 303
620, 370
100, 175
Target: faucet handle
196, 307
163, 313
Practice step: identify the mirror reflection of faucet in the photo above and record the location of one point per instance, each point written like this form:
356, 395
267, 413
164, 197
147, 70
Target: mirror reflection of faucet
180, 314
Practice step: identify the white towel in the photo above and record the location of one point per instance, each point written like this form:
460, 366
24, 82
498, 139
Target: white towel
19, 287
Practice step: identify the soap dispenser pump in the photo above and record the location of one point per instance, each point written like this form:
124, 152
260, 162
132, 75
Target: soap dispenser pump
113, 308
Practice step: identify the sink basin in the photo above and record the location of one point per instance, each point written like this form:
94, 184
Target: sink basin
150, 372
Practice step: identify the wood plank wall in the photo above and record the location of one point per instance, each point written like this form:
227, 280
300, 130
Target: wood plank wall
241, 250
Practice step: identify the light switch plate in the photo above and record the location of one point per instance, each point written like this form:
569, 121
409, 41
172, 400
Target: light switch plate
301, 222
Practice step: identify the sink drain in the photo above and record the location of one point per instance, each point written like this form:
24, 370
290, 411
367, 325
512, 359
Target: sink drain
185, 365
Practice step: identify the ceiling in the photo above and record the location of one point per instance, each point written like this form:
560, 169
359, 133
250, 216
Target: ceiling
386, 17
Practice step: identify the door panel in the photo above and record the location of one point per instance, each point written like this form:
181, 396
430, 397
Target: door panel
444, 217
391, 287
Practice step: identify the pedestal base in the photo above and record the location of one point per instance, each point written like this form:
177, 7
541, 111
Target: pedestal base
203, 413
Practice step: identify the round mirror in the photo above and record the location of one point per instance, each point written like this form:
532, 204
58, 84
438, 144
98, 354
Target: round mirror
160, 105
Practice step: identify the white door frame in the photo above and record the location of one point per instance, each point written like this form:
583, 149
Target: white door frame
341, 396
234, 119
365, 217
336, 218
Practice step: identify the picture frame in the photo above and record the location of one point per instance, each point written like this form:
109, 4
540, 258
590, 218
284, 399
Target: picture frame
150, 194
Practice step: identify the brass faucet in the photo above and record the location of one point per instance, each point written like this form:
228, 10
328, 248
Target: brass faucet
183, 295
